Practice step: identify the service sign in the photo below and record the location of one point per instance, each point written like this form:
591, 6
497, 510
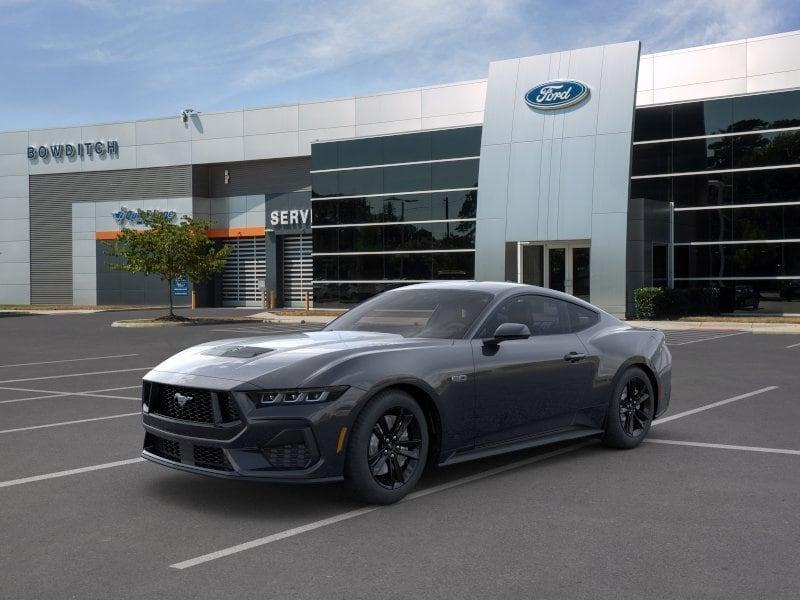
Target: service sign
290, 217
553, 95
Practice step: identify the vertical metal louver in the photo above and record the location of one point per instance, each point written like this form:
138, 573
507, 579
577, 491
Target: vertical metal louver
297, 269
246, 264
51, 198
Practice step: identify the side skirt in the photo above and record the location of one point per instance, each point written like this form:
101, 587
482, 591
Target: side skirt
515, 445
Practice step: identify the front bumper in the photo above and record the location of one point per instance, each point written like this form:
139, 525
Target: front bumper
292, 443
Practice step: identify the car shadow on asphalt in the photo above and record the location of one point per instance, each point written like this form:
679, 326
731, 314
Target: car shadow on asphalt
249, 499
245, 499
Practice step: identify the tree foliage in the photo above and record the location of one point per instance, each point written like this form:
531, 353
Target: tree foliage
168, 249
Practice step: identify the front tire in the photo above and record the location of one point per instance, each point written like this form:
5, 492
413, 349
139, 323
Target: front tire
630, 411
387, 449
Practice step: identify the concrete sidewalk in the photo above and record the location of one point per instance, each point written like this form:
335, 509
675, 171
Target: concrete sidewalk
751, 326
271, 317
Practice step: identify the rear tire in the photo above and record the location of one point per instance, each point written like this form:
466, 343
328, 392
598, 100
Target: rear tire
630, 410
387, 449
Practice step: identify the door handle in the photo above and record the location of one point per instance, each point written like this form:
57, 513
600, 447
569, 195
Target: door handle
574, 357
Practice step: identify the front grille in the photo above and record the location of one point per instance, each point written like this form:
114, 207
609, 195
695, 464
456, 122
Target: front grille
197, 409
228, 409
288, 456
211, 458
164, 448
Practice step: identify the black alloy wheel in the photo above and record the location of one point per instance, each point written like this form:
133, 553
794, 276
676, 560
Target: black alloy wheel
394, 446
635, 407
387, 448
630, 410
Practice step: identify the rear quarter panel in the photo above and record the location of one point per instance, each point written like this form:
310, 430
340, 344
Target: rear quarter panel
616, 347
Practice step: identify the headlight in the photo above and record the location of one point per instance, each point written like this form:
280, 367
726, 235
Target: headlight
300, 396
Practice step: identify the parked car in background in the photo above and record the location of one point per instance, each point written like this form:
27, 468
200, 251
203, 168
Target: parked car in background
746, 297
790, 291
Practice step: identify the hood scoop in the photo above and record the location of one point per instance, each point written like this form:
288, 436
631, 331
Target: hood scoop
238, 351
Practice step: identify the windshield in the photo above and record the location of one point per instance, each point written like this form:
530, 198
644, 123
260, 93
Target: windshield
417, 313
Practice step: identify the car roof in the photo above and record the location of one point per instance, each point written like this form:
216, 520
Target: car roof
497, 288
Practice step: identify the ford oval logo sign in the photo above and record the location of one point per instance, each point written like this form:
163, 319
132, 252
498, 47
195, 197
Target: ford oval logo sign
556, 94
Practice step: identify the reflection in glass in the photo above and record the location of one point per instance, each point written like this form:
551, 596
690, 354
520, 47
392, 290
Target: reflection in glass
557, 268
653, 123
765, 149
362, 200
532, 264
738, 260
727, 115
580, 273
660, 265
732, 224
702, 118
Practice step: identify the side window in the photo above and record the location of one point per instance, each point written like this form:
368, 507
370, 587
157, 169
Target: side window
542, 315
580, 318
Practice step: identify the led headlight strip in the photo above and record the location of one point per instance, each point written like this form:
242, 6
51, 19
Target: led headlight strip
298, 396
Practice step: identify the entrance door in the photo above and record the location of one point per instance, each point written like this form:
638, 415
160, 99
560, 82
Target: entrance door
562, 266
580, 272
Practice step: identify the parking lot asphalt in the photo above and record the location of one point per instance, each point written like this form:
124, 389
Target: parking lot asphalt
708, 507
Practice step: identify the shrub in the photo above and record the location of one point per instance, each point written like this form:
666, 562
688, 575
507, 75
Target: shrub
649, 302
666, 303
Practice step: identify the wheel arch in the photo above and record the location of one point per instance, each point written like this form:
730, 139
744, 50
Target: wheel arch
427, 402
640, 363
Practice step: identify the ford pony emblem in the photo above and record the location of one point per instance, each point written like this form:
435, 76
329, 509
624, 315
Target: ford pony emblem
181, 399
556, 94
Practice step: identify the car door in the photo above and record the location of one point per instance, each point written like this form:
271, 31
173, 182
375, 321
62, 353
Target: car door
527, 387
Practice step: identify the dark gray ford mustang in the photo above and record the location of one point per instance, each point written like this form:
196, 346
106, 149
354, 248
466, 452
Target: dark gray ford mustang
434, 373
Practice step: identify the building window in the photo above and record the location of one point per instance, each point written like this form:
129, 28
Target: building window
393, 210
735, 187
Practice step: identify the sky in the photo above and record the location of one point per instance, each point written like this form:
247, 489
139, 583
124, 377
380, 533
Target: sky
73, 62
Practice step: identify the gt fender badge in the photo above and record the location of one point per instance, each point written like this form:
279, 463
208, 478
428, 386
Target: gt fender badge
458, 378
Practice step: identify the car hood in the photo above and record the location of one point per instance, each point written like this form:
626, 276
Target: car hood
287, 360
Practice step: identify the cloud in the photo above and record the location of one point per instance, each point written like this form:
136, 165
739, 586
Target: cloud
444, 37
157, 55
675, 24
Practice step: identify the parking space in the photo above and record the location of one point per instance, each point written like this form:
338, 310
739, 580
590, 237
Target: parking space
693, 336
707, 508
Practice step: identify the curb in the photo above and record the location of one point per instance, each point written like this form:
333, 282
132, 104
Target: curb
269, 317
193, 323
752, 327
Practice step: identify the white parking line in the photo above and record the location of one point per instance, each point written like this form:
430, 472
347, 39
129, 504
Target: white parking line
76, 375
701, 337
723, 446
282, 535
58, 394
793, 346
52, 362
137, 413
119, 463
349, 515
686, 413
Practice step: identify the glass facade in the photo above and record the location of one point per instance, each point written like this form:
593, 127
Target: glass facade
731, 167
393, 210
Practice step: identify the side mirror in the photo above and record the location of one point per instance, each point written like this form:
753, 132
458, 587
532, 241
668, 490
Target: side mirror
509, 331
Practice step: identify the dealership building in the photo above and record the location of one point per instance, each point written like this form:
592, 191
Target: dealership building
594, 171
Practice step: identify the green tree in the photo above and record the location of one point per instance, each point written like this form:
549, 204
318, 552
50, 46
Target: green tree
168, 249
